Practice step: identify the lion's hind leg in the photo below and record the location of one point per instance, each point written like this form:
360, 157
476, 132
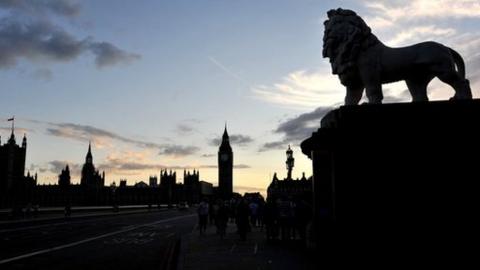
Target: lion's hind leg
418, 88
459, 84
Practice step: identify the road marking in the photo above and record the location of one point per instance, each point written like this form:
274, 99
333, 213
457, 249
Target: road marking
170, 235
255, 249
233, 247
88, 240
103, 217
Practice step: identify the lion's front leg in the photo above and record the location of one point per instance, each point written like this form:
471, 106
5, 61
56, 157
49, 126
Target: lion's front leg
354, 95
374, 93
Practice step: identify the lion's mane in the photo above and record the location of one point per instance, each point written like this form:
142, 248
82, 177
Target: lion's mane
345, 36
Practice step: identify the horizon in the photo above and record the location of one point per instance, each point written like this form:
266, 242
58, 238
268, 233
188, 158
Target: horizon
152, 84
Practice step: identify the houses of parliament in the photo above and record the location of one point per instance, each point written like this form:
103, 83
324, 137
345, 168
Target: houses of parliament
18, 189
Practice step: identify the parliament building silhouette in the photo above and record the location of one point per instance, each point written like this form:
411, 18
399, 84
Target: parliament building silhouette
18, 190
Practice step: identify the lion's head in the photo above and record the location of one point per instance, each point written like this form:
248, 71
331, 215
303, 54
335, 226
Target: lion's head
345, 36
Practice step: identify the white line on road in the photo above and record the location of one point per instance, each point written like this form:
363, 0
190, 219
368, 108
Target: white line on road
88, 240
233, 247
255, 249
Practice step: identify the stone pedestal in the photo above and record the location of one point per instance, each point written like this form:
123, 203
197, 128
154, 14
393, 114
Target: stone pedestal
397, 179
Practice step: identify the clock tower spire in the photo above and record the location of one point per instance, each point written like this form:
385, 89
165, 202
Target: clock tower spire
225, 167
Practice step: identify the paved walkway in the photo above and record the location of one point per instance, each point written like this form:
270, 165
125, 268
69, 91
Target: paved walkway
210, 252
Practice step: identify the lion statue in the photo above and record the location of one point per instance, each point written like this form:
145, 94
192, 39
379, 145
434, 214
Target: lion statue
361, 61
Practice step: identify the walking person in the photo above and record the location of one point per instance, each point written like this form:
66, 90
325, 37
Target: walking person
202, 216
222, 219
242, 219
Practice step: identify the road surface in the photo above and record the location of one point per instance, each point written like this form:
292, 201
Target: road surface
135, 241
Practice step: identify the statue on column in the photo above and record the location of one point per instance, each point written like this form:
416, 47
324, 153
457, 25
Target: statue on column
363, 62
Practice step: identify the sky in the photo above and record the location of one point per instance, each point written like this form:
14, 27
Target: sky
152, 83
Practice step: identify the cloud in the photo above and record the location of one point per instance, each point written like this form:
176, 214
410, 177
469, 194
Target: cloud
18, 130
273, 145
208, 155
108, 54
303, 125
183, 129
303, 90
103, 138
423, 9
296, 129
35, 38
43, 74
56, 167
178, 150
235, 139
65, 8
420, 33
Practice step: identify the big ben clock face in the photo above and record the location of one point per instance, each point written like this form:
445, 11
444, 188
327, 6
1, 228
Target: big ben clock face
224, 157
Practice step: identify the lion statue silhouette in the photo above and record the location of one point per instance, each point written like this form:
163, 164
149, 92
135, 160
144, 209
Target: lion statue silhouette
362, 61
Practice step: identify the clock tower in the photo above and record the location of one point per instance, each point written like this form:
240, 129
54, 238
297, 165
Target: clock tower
225, 167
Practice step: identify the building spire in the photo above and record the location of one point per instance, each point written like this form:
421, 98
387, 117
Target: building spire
89, 158
24, 141
225, 133
12, 137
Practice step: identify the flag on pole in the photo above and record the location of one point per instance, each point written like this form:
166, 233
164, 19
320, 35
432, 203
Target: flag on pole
11, 119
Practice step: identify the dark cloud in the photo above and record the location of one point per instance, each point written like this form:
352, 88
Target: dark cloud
86, 133
208, 155
273, 145
36, 38
108, 54
235, 139
178, 150
183, 129
122, 165
65, 8
296, 129
302, 126
35, 42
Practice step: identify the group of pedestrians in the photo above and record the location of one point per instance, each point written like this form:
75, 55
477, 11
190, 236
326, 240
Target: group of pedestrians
287, 219
282, 219
242, 212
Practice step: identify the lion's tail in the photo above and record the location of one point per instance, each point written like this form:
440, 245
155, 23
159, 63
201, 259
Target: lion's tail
458, 62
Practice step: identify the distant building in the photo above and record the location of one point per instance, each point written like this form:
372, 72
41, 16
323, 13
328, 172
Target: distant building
141, 184
15, 187
206, 188
288, 187
225, 167
191, 186
153, 181
64, 177
167, 178
91, 178
12, 163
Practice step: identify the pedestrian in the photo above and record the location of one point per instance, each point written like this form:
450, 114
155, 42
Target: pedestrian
270, 217
242, 219
253, 213
202, 216
221, 219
